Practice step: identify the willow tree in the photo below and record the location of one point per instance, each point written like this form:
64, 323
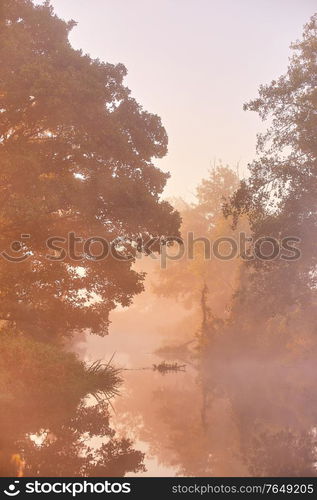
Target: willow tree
76, 153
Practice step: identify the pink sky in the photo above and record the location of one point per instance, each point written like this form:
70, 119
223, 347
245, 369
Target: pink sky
194, 63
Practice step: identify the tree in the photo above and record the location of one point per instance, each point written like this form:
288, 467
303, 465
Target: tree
283, 178
274, 310
279, 197
203, 280
76, 154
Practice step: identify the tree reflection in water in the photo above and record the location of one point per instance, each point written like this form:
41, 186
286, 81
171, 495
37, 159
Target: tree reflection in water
48, 427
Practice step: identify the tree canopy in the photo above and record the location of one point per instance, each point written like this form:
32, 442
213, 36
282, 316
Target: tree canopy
76, 154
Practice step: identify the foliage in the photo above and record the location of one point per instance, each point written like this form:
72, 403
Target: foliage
76, 153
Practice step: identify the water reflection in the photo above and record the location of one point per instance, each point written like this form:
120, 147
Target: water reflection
232, 412
55, 418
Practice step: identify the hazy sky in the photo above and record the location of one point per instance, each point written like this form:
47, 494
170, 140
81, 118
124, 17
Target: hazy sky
194, 63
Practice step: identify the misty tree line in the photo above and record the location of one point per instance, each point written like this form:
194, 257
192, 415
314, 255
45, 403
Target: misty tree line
77, 154
257, 318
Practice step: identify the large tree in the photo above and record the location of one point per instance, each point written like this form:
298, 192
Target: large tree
280, 194
76, 153
269, 343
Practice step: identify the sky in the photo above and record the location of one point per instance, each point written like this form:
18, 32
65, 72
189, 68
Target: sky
194, 63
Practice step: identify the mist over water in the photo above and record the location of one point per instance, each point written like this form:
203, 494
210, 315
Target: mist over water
231, 413
141, 336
